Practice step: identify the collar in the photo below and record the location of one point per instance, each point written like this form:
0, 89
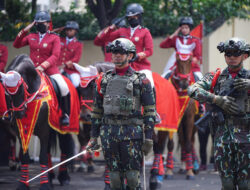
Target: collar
241, 72
128, 72
42, 35
69, 39
185, 37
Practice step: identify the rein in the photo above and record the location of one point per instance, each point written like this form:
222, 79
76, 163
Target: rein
84, 103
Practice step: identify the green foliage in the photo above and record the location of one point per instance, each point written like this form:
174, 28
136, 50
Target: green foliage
160, 16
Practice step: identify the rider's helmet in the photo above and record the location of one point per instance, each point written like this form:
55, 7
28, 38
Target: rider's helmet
186, 20
72, 25
134, 9
121, 45
234, 46
42, 16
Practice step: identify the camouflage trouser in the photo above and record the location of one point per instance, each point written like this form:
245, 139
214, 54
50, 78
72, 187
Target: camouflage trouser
122, 155
233, 161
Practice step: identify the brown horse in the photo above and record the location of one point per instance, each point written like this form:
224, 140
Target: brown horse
181, 77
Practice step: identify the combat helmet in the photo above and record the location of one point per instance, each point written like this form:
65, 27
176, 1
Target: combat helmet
42, 16
236, 45
121, 45
134, 9
186, 20
72, 25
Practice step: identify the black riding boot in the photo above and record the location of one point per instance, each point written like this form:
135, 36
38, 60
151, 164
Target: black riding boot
65, 106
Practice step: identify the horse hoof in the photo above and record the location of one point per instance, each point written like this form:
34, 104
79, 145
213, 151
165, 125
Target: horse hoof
155, 182
182, 171
196, 167
45, 186
107, 186
190, 177
169, 177
12, 165
51, 176
91, 169
22, 186
196, 172
63, 178
80, 169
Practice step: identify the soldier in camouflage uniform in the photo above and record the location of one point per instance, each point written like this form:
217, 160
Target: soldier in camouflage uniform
231, 122
117, 116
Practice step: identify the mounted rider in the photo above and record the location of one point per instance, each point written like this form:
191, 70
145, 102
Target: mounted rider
229, 90
177, 41
71, 52
117, 117
44, 52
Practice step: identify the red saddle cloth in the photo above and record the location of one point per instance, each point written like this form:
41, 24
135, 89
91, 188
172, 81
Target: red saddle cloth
3, 106
167, 104
46, 94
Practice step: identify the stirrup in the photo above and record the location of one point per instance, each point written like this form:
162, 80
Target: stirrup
64, 120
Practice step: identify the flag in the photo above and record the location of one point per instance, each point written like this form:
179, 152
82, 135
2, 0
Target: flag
198, 32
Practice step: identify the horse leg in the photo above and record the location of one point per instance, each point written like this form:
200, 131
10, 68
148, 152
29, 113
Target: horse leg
157, 170
43, 159
170, 160
194, 155
65, 147
24, 177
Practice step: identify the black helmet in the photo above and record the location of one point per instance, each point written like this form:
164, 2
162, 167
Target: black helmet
72, 25
186, 20
42, 16
134, 9
234, 44
121, 45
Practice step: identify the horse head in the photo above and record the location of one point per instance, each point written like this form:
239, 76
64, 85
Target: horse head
182, 74
21, 83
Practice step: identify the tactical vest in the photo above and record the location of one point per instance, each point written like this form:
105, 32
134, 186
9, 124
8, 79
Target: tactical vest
119, 97
224, 87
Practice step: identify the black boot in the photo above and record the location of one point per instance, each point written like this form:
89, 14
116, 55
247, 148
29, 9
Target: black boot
65, 106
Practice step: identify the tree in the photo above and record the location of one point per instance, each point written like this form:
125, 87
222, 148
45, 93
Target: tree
105, 10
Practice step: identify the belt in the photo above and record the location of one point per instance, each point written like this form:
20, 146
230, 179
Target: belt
129, 121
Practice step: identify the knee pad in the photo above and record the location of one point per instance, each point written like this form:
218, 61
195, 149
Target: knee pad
132, 178
115, 180
227, 184
244, 185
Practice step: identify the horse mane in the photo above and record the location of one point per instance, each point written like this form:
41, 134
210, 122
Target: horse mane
104, 66
25, 67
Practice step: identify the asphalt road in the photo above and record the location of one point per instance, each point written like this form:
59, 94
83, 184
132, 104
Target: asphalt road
205, 180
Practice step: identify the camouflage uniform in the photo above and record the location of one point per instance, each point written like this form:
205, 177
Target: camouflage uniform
232, 137
120, 127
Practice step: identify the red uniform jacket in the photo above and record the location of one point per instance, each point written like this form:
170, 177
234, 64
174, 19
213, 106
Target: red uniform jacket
103, 43
171, 43
70, 52
46, 50
3, 57
141, 38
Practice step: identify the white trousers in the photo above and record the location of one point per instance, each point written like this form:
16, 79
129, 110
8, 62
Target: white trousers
75, 79
61, 83
149, 76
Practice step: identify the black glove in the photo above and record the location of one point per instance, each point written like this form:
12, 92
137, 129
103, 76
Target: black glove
227, 103
242, 84
93, 145
147, 146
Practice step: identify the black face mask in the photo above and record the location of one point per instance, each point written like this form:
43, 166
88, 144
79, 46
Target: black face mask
133, 22
40, 27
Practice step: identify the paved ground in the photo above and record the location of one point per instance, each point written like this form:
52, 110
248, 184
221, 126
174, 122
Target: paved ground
204, 181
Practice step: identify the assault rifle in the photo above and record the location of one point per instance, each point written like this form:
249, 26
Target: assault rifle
214, 115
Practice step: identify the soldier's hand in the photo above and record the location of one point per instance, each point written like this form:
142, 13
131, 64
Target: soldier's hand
242, 84
147, 146
39, 68
27, 28
175, 33
141, 56
69, 65
227, 103
93, 145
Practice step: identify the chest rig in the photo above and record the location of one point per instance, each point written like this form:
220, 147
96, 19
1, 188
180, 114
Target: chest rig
121, 95
224, 87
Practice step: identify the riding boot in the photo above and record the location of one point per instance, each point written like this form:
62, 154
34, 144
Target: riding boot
65, 106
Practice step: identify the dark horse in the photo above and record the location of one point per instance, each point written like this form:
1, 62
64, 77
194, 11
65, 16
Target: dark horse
19, 100
181, 77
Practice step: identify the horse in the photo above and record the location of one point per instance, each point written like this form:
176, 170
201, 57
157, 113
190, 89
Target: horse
28, 91
181, 77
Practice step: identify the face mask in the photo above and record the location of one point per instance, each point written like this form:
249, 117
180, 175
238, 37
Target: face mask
40, 27
133, 22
